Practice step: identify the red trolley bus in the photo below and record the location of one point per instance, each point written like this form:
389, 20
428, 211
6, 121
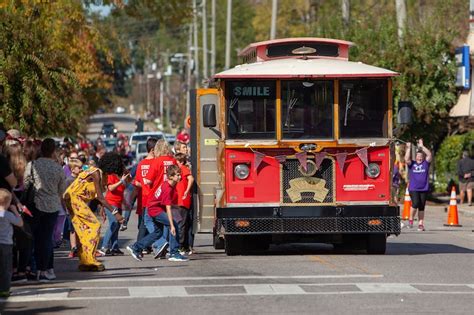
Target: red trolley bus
294, 145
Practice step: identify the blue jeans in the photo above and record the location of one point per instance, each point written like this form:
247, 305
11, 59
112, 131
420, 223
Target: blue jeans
126, 216
158, 236
110, 240
150, 226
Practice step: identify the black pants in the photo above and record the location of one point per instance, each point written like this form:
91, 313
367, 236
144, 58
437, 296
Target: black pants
22, 248
5, 267
418, 199
43, 233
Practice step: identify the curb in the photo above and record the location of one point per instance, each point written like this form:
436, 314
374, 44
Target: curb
467, 213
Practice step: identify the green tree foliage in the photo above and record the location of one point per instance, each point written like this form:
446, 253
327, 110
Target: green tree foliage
447, 157
49, 75
425, 63
242, 31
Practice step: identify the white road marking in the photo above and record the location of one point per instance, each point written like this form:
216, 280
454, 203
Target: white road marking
152, 279
167, 291
61, 294
387, 288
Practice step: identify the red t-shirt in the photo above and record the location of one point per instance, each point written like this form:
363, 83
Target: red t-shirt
157, 172
162, 197
115, 197
142, 171
181, 188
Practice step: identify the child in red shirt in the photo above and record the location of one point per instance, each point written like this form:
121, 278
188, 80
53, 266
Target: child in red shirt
157, 172
143, 169
114, 196
159, 209
183, 208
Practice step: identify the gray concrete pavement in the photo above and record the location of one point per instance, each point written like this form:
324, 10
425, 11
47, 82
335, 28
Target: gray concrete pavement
422, 272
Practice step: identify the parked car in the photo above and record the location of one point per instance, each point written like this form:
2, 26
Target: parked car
110, 144
170, 138
140, 152
143, 137
108, 130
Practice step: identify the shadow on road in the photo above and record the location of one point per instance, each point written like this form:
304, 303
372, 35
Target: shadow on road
425, 249
6, 308
325, 249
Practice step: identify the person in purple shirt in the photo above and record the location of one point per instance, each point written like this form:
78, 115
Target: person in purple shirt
418, 187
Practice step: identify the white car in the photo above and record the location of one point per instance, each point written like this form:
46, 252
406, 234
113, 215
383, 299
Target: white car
140, 152
137, 137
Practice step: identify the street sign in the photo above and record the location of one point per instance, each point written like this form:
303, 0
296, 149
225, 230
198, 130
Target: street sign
463, 75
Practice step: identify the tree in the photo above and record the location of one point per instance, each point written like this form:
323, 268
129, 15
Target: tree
48, 68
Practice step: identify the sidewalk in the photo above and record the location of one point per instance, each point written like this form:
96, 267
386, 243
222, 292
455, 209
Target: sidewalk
463, 209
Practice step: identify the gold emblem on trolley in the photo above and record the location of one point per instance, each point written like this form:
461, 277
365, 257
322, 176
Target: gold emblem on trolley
307, 184
310, 169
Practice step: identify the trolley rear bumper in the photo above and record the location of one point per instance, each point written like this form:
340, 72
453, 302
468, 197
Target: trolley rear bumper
309, 220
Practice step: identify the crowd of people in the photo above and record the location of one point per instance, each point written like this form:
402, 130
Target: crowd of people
50, 193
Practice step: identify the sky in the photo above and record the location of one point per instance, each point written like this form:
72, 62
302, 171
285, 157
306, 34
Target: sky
104, 10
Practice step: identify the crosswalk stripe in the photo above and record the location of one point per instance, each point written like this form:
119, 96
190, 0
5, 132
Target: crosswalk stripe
153, 279
62, 294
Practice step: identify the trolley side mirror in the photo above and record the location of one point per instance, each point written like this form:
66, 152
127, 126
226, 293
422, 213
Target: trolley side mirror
209, 118
209, 115
405, 113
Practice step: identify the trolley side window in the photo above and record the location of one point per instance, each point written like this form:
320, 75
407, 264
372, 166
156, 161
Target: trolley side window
307, 109
363, 109
250, 109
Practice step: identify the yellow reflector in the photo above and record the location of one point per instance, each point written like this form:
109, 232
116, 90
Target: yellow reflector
375, 222
242, 223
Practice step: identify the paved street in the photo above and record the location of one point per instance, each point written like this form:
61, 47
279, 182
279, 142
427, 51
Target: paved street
422, 272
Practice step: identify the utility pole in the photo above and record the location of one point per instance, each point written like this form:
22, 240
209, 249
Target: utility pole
228, 34
205, 73
189, 70
213, 37
159, 76
168, 96
147, 106
401, 19
196, 44
346, 9
274, 19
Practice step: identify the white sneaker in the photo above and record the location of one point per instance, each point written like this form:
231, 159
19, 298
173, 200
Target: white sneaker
50, 274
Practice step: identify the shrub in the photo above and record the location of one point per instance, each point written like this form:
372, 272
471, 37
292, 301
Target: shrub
447, 157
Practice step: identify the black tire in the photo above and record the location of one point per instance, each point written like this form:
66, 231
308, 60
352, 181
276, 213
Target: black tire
261, 242
234, 245
376, 244
218, 242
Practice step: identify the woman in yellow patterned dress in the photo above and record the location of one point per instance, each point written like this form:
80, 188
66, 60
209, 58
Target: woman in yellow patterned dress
89, 185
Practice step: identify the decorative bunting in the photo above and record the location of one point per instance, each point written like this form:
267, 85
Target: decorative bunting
258, 158
302, 157
362, 154
319, 157
280, 158
341, 159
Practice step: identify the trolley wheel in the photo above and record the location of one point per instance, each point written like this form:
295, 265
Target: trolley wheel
376, 244
234, 245
217, 241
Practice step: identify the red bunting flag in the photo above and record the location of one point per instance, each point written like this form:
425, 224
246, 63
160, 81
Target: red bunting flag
362, 154
319, 157
280, 158
341, 159
258, 158
302, 157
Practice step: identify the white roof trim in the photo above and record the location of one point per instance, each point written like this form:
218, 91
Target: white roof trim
295, 68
